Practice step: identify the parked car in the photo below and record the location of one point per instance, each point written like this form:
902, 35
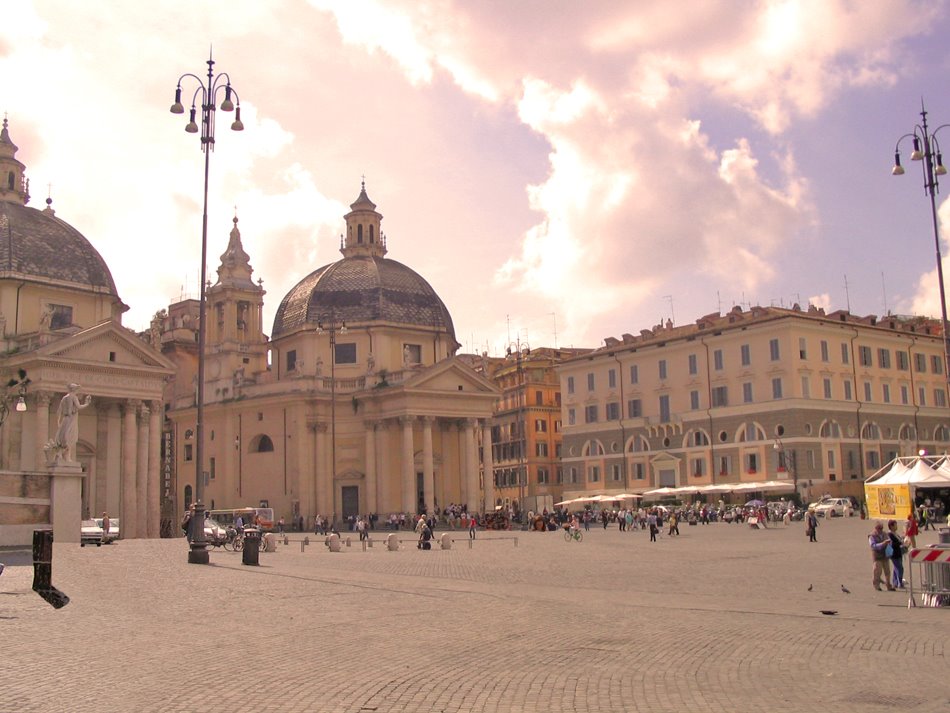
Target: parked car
113, 534
90, 534
834, 507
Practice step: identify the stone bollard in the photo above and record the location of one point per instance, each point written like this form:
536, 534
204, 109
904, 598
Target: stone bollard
270, 542
349, 542
363, 543
392, 542
43, 569
446, 541
516, 542
370, 541
286, 540
333, 542
471, 543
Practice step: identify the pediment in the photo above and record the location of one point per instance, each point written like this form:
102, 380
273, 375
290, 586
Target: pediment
451, 375
106, 343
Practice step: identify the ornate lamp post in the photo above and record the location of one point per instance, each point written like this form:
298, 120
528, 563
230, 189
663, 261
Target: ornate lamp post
15, 389
927, 150
205, 96
332, 327
521, 351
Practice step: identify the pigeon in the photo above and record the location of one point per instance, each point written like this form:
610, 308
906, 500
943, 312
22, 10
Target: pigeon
809, 587
845, 589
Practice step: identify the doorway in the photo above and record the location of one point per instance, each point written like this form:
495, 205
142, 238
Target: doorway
351, 501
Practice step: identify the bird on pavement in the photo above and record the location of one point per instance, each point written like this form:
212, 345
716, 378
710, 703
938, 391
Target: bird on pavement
845, 589
809, 587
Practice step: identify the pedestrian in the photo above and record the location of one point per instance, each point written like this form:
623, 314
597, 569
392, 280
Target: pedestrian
106, 525
811, 525
911, 529
881, 551
651, 521
674, 524
897, 555
280, 525
472, 524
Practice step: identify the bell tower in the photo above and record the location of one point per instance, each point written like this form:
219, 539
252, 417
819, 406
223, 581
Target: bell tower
363, 233
237, 349
14, 187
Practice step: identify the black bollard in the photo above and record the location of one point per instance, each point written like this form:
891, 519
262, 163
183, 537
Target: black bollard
43, 569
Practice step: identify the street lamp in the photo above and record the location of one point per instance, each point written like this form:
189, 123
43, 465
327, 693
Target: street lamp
786, 459
331, 326
15, 389
205, 95
521, 351
927, 149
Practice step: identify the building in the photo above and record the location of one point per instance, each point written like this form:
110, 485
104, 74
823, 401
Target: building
61, 323
356, 404
526, 427
820, 399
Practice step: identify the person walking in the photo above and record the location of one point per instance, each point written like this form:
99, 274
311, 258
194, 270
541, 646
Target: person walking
811, 525
879, 542
472, 524
651, 521
106, 526
897, 555
911, 529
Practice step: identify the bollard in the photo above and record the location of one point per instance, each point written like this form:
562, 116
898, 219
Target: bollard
349, 542
516, 542
370, 541
333, 542
363, 542
471, 543
270, 542
303, 545
446, 541
43, 569
251, 552
306, 540
392, 542
286, 540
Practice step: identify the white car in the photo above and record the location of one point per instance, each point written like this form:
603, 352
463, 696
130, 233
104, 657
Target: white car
834, 507
90, 533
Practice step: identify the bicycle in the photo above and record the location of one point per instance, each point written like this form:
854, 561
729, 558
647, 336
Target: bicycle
575, 535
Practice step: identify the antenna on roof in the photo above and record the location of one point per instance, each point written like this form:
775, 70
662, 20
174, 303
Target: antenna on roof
847, 293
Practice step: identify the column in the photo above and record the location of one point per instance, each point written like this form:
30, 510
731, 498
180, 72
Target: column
488, 467
384, 476
141, 473
471, 465
323, 486
462, 444
128, 526
154, 500
428, 477
408, 476
370, 457
43, 399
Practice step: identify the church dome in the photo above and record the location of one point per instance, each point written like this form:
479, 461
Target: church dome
360, 289
364, 286
35, 244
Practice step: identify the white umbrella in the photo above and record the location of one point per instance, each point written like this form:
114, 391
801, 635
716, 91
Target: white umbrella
661, 491
626, 496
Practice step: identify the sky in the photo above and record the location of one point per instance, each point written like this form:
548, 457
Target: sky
558, 171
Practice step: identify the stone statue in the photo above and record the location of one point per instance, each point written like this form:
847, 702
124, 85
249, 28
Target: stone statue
319, 369
46, 319
406, 356
370, 363
67, 433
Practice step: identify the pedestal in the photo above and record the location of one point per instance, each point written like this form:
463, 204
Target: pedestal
66, 501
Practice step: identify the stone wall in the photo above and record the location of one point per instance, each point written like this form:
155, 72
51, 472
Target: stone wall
24, 506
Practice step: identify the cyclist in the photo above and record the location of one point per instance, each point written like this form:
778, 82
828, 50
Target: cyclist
573, 526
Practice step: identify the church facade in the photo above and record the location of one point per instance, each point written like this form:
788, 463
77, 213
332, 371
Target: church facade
356, 404
61, 324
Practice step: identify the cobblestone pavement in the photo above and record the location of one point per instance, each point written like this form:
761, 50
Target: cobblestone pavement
717, 619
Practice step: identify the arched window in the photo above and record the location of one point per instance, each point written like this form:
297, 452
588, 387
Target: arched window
372, 234
750, 431
942, 433
261, 444
11, 179
697, 437
829, 429
907, 433
871, 432
593, 448
637, 444
359, 233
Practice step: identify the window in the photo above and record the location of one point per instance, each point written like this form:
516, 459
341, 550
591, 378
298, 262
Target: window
261, 444
720, 396
905, 395
570, 384
826, 385
830, 429
211, 468
725, 465
346, 353
543, 476
634, 374
693, 368
189, 452
847, 390
639, 472
873, 460
751, 462
612, 379
59, 316
694, 400
665, 408
920, 363
540, 425
615, 473
864, 356
824, 350
806, 388
884, 358
699, 467
844, 353
802, 348
831, 459
699, 438
777, 388
634, 408
613, 411
774, 351
557, 450
922, 396
559, 474
867, 391
717, 360
936, 364
902, 360
541, 449
573, 473
593, 474
886, 393
411, 354
292, 360
590, 381
662, 368
571, 417
746, 354
747, 392
538, 398
940, 398
590, 414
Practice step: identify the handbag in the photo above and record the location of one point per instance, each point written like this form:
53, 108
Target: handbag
889, 550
